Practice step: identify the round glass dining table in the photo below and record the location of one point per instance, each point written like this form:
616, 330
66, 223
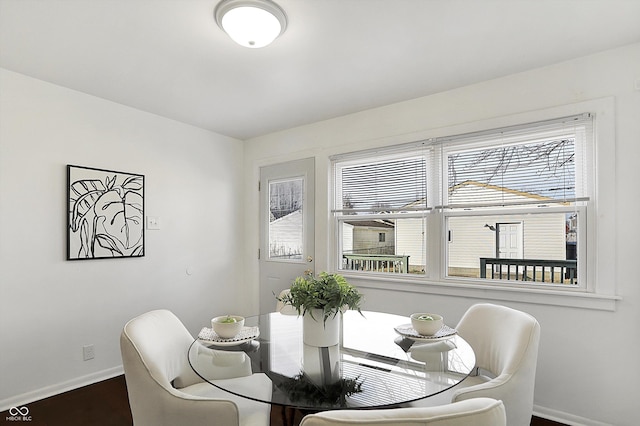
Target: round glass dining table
377, 363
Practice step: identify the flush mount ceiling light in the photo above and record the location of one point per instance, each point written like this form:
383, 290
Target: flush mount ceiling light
251, 23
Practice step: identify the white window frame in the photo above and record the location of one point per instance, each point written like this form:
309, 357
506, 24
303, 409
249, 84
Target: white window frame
596, 244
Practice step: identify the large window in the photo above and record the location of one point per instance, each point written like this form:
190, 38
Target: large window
500, 207
381, 206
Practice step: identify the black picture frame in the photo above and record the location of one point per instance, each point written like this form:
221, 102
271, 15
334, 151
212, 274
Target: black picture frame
105, 217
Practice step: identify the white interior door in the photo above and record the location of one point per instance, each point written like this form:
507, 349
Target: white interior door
286, 226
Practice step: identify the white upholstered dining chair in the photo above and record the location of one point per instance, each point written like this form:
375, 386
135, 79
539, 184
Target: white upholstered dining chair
505, 342
471, 412
164, 390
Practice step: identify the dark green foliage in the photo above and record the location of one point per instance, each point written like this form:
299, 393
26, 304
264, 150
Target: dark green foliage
302, 388
328, 292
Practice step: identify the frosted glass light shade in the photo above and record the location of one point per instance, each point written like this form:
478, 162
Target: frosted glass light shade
251, 23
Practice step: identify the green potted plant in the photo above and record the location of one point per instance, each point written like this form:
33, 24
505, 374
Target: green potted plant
321, 298
330, 293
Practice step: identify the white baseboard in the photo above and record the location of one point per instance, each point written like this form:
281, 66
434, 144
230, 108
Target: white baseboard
46, 392
565, 418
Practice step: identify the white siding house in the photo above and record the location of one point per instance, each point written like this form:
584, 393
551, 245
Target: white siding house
470, 237
410, 242
347, 238
285, 236
543, 237
372, 237
519, 236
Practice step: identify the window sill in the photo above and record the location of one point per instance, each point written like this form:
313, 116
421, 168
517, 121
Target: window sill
540, 296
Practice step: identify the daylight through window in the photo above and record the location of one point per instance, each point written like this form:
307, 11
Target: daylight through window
501, 207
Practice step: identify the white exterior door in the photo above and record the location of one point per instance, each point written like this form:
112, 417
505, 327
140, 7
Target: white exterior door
287, 211
510, 240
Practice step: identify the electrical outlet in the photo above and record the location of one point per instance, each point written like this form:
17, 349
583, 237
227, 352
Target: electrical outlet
88, 352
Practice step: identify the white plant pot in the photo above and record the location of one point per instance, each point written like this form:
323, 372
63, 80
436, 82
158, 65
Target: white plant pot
317, 333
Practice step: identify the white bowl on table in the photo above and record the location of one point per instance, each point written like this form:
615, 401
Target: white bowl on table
227, 326
426, 324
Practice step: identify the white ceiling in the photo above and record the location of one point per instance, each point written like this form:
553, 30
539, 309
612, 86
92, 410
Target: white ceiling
168, 57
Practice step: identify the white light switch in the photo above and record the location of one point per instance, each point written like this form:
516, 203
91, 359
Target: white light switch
153, 222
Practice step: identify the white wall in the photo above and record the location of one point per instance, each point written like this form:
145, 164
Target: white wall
588, 366
51, 307
588, 370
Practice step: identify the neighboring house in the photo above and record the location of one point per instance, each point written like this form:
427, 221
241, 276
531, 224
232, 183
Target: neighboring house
410, 242
285, 236
470, 237
368, 237
514, 236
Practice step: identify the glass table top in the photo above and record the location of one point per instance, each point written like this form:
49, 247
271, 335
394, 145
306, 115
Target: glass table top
373, 366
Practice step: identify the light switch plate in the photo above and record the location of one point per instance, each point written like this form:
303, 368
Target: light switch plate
153, 222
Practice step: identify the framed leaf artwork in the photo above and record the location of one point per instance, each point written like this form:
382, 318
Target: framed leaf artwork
106, 214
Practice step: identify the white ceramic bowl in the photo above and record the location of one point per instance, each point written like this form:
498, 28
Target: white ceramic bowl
227, 330
425, 323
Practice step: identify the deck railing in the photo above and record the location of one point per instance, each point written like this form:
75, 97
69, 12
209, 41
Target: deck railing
376, 263
540, 270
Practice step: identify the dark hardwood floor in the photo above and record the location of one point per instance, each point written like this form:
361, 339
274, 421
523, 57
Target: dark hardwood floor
106, 404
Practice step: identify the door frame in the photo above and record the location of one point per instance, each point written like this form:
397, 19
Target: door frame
275, 275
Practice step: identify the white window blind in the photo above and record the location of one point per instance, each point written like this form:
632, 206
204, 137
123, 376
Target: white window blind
533, 163
543, 164
382, 185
